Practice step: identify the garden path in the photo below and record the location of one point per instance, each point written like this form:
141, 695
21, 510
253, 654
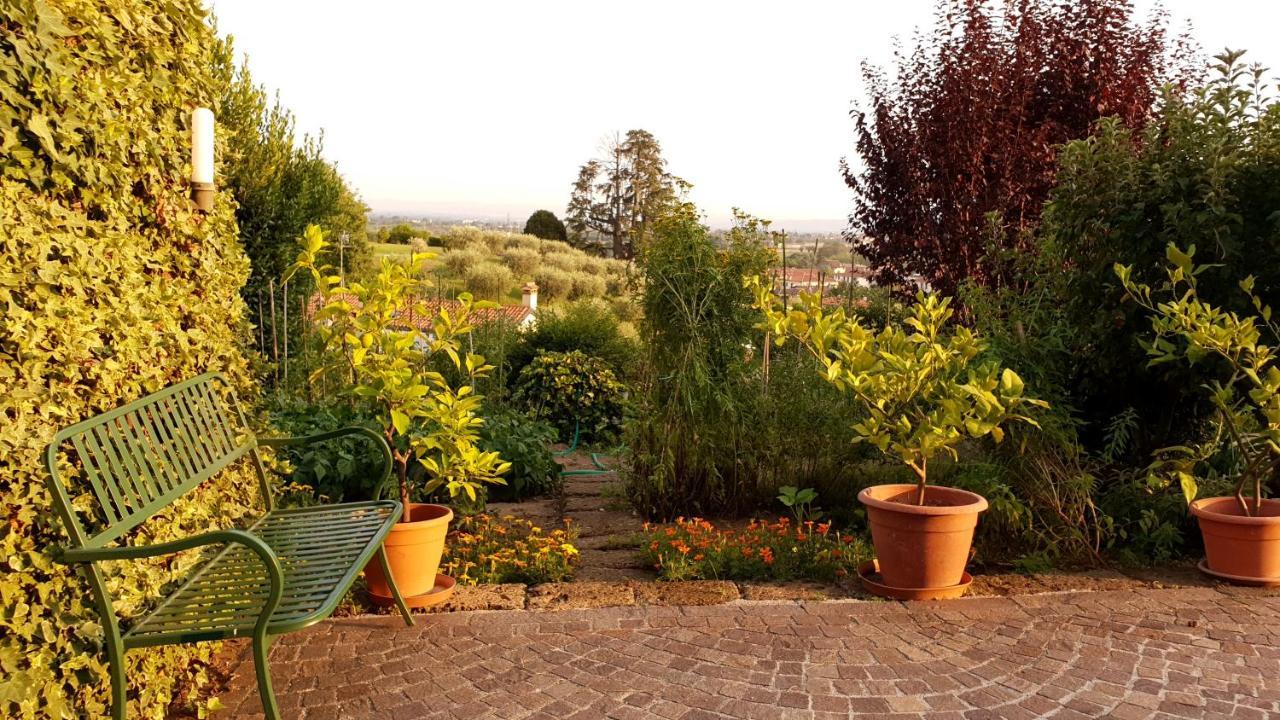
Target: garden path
606, 525
1188, 652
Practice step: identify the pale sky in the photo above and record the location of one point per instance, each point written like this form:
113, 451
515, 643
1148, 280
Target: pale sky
489, 107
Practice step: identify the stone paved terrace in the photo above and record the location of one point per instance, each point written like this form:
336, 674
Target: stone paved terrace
1196, 652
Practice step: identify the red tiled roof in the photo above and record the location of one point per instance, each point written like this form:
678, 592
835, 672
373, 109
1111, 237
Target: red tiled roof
511, 313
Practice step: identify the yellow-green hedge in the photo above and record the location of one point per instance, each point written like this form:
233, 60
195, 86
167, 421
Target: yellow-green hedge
110, 287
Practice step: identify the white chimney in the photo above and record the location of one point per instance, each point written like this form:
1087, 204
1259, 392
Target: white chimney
529, 298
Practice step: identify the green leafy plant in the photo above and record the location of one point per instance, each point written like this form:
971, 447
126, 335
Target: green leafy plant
573, 390
424, 418
524, 442
921, 386
800, 502
1246, 397
342, 468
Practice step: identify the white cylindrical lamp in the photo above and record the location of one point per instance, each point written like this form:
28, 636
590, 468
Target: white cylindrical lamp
202, 124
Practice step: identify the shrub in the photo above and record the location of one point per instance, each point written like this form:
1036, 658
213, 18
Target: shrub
460, 237
782, 550
487, 550
568, 260
488, 280
624, 308
586, 285
592, 265
545, 224
461, 260
524, 242
553, 283
494, 241
525, 443
616, 285
586, 326
114, 287
522, 261
402, 233
573, 390
341, 469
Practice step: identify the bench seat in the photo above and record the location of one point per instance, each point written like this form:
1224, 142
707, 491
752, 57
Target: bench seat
321, 549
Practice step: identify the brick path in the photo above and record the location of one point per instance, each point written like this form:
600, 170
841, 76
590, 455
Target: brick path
1196, 652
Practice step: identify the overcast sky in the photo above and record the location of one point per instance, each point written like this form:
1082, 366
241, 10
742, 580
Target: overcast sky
488, 108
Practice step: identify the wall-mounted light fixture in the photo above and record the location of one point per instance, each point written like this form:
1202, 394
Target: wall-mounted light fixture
202, 123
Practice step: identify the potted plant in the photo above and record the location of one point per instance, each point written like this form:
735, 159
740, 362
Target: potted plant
1241, 534
373, 338
923, 391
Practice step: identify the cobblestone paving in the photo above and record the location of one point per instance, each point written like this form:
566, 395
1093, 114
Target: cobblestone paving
1196, 652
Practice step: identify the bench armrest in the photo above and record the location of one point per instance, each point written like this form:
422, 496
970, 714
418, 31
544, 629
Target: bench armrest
377, 439
217, 537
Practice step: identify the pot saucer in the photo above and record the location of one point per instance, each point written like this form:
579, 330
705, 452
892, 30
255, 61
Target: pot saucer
1239, 579
438, 594
869, 574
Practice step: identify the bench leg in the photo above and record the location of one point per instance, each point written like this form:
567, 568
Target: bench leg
115, 661
261, 647
395, 591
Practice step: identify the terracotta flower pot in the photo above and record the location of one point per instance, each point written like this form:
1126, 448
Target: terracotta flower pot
413, 551
1236, 546
921, 546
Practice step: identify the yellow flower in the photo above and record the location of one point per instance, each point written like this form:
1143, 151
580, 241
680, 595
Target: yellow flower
569, 549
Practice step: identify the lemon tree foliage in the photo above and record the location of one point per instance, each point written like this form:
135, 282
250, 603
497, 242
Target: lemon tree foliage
921, 383
1246, 396
112, 287
362, 327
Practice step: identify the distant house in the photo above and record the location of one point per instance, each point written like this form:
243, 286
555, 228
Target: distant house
521, 316
806, 279
810, 279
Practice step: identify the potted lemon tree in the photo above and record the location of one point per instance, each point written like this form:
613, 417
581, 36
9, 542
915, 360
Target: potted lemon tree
924, 391
1241, 533
374, 339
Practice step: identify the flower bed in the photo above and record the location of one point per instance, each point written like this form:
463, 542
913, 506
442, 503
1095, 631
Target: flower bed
486, 550
695, 549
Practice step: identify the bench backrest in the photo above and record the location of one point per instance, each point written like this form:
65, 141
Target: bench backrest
141, 457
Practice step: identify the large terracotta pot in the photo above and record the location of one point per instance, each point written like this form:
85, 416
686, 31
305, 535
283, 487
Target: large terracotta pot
921, 546
413, 551
1239, 547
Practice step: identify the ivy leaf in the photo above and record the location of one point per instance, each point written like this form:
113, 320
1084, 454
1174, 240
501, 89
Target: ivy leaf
38, 125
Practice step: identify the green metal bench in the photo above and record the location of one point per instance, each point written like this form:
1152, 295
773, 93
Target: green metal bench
285, 572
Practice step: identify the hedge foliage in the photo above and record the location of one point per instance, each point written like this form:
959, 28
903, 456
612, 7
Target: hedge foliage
112, 287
